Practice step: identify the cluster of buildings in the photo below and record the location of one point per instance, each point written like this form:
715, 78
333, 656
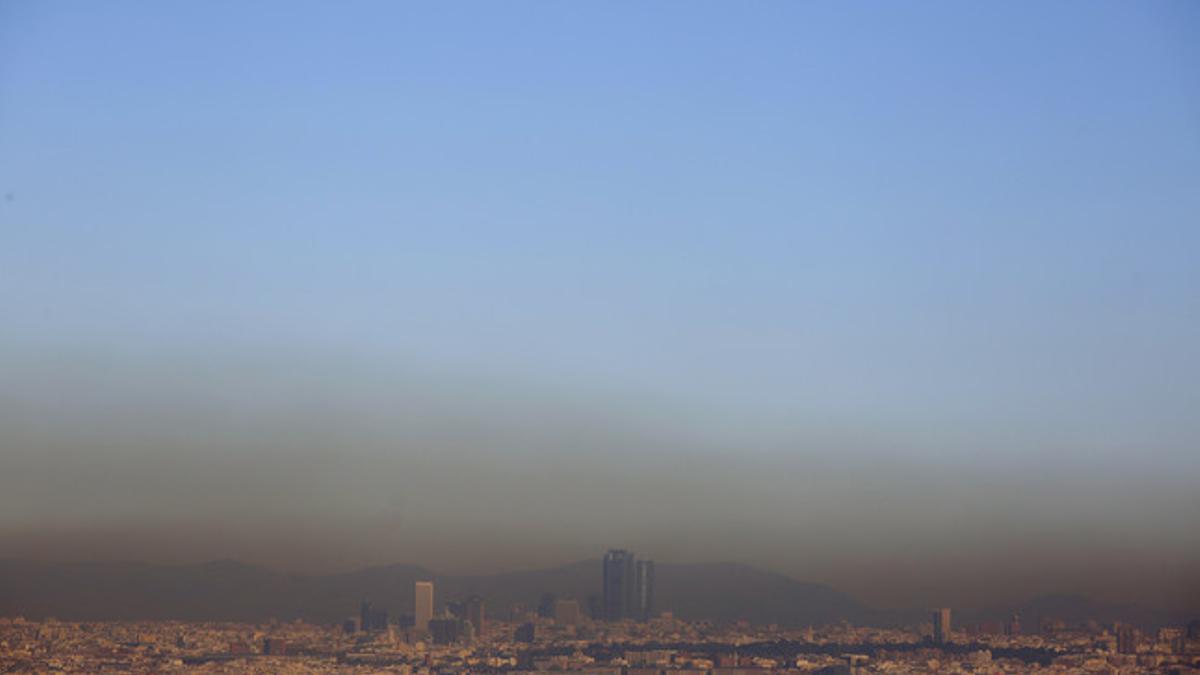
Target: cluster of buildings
460, 621
660, 646
628, 587
620, 635
626, 593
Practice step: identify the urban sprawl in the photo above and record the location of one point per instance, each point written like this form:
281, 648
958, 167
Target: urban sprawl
622, 633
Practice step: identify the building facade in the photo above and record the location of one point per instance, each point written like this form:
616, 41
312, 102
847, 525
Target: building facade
476, 614
941, 625
645, 589
423, 609
619, 592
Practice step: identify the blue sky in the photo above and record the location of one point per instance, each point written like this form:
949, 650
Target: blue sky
950, 226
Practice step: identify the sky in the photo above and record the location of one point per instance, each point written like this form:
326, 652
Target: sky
903, 298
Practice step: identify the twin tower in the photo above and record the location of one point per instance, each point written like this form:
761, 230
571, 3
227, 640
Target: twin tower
628, 586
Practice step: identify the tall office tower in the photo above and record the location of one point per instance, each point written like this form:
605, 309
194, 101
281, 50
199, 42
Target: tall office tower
645, 589
475, 614
941, 625
546, 605
619, 590
364, 616
372, 619
423, 611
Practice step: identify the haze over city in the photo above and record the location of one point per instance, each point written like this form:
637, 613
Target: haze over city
901, 299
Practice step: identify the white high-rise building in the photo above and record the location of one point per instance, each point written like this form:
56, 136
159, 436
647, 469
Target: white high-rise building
423, 611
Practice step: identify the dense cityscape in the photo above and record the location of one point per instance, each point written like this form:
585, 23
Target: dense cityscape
618, 631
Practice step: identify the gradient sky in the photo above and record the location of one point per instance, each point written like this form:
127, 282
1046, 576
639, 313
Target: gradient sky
904, 298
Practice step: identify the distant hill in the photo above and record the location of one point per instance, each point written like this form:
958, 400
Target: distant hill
226, 590
232, 591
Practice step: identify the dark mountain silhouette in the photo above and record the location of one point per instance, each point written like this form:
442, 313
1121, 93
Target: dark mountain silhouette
227, 590
232, 591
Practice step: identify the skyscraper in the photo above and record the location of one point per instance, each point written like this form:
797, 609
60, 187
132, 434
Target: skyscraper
423, 611
941, 625
619, 592
475, 614
364, 616
372, 619
645, 589
546, 605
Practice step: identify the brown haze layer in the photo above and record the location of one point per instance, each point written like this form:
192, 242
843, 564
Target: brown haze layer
326, 469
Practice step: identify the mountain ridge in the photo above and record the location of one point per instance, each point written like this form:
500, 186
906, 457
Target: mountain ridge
225, 589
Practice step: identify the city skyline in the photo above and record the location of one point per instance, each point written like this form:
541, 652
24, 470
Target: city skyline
722, 592
618, 636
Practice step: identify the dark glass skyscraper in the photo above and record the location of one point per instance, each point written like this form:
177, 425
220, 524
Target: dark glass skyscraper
645, 589
372, 619
619, 592
628, 591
